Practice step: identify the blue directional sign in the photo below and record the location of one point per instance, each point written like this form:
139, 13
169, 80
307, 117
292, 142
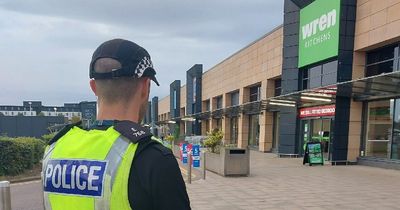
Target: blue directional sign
196, 155
184, 154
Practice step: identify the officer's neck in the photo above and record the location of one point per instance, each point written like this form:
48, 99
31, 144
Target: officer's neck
118, 112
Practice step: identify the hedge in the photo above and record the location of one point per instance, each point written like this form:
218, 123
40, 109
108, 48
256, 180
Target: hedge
19, 154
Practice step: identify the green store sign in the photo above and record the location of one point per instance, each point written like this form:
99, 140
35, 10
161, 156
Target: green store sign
319, 31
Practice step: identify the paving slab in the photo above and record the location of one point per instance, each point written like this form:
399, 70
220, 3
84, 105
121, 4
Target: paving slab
284, 183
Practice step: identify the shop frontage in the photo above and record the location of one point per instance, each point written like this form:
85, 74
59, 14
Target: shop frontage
316, 124
382, 139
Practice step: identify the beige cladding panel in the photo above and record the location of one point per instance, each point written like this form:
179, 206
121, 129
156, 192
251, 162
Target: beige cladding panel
377, 23
260, 61
183, 96
163, 105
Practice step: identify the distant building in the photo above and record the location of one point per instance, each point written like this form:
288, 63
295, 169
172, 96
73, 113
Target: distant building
84, 110
34, 119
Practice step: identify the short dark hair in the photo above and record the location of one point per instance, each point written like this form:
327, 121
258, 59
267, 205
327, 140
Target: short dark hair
117, 89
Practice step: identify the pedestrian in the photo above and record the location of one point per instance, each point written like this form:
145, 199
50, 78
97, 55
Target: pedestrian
115, 164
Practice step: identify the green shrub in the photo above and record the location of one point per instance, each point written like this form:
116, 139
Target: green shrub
214, 140
47, 137
19, 154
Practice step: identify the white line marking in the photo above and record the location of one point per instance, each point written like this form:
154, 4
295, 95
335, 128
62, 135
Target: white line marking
25, 183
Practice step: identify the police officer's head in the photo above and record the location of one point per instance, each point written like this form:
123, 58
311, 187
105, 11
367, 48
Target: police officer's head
120, 73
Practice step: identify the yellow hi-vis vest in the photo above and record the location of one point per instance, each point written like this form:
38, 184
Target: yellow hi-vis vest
89, 170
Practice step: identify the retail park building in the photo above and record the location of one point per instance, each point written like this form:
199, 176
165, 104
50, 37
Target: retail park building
329, 73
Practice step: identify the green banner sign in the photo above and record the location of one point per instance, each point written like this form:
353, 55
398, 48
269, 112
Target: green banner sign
319, 31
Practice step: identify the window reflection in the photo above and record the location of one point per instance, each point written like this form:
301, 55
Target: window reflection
379, 128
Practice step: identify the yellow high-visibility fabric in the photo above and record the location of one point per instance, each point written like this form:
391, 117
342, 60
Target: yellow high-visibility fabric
93, 145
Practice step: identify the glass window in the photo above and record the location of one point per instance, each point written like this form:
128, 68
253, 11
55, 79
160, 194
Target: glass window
234, 130
396, 131
278, 87
219, 102
219, 124
315, 77
275, 131
305, 79
380, 61
379, 68
379, 128
379, 55
235, 98
208, 105
194, 89
254, 130
255, 93
330, 67
174, 99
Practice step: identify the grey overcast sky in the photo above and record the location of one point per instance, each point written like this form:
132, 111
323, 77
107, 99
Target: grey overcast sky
46, 45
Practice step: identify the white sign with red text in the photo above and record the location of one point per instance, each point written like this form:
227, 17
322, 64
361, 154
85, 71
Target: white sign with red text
319, 111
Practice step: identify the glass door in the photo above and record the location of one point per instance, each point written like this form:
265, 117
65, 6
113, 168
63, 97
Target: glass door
395, 148
254, 130
321, 132
305, 135
234, 130
379, 129
275, 141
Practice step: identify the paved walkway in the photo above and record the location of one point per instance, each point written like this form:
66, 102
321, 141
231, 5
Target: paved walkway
280, 183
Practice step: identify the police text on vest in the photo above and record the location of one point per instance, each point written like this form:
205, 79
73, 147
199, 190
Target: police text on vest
78, 177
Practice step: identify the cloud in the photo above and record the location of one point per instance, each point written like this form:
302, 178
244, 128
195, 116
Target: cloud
47, 45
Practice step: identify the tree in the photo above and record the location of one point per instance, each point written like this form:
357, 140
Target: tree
214, 140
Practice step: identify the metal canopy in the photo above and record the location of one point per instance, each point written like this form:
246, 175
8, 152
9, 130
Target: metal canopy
383, 86
377, 87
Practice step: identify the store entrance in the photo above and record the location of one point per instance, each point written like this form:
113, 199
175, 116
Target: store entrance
318, 130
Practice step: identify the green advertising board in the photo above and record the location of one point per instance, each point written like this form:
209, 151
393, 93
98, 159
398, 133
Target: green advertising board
319, 31
314, 153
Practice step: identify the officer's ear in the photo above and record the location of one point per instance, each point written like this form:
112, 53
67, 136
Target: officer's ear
145, 86
93, 86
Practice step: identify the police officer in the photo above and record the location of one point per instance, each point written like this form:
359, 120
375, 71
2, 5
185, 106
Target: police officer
115, 164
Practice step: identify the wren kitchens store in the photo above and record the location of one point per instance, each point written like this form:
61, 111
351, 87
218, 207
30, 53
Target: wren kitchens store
338, 82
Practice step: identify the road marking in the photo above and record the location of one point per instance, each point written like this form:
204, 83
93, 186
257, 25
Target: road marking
25, 183
184, 171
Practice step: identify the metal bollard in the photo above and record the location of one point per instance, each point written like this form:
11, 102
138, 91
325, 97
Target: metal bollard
189, 167
203, 165
5, 196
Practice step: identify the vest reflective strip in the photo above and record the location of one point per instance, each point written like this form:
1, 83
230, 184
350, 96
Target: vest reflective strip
115, 155
114, 158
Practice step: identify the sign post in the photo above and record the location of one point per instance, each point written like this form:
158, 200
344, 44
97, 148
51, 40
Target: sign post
189, 165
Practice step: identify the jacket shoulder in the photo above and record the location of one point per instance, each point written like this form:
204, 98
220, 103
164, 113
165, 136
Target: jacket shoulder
63, 131
161, 148
133, 131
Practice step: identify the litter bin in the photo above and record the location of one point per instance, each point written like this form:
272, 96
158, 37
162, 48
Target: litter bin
236, 161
